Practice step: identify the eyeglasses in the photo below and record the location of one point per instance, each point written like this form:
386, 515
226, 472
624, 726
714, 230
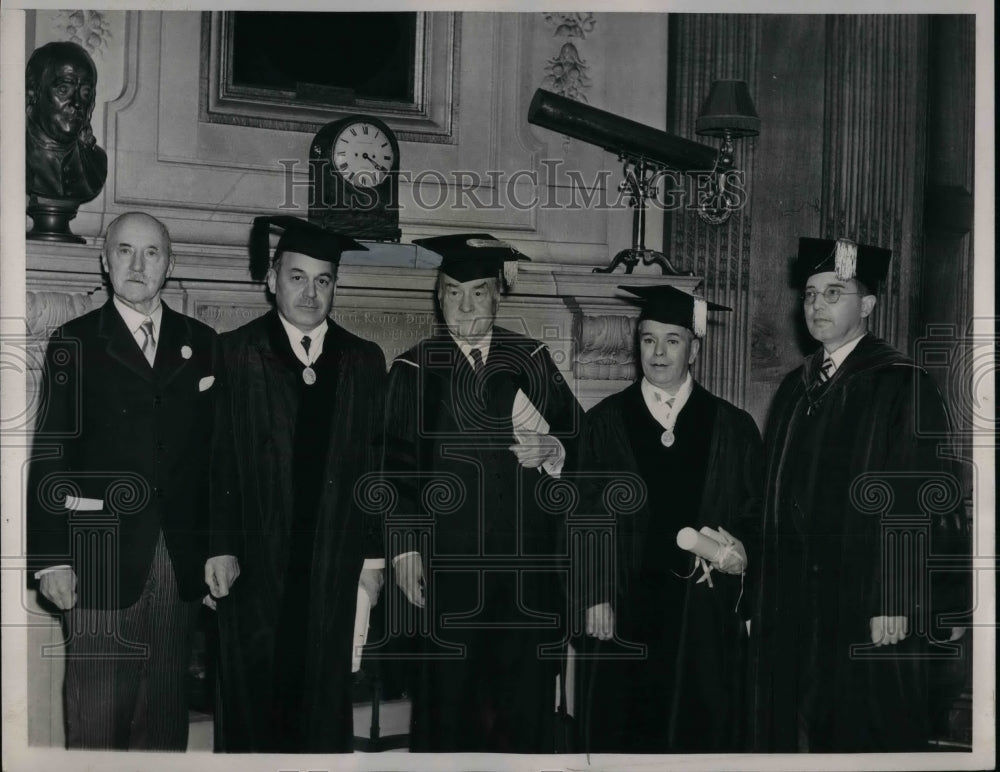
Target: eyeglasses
830, 295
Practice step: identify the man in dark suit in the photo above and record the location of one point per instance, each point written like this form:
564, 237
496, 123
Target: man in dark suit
117, 494
298, 437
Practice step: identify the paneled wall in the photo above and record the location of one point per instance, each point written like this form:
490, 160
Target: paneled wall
707, 47
842, 153
875, 144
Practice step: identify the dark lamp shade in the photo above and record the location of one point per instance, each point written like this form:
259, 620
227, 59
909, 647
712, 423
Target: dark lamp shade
728, 110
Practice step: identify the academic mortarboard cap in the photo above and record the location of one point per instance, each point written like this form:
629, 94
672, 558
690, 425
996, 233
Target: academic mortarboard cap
669, 305
470, 256
843, 257
298, 235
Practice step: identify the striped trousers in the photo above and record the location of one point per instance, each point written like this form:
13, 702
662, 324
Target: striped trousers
126, 669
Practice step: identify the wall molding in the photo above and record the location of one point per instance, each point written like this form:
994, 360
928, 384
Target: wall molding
875, 154
706, 47
431, 117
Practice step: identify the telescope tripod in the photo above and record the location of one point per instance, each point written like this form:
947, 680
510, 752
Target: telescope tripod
639, 176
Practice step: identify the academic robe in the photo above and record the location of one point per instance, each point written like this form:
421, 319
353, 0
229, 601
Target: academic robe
489, 533
856, 502
685, 693
289, 467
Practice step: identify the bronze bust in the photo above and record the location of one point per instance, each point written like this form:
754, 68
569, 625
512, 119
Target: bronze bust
63, 159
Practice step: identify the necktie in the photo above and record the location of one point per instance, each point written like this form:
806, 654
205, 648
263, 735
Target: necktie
306, 342
824, 372
477, 361
664, 400
149, 342
668, 409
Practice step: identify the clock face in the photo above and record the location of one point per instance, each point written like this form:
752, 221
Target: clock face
362, 154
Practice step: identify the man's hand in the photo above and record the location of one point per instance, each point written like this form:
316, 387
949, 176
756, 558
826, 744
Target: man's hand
534, 449
410, 577
59, 586
372, 580
220, 573
735, 559
889, 630
601, 621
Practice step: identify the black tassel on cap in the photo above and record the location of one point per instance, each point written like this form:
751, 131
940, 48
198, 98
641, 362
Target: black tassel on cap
260, 247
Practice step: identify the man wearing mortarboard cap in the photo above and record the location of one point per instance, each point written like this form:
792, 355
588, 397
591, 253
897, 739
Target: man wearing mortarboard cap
846, 610
299, 425
478, 421
696, 461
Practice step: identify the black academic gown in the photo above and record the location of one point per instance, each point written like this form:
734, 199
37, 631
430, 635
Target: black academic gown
489, 532
286, 465
856, 501
684, 694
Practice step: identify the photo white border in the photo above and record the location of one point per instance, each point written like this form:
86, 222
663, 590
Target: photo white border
17, 756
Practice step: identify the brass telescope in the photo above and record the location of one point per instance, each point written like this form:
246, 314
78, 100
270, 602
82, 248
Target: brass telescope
627, 138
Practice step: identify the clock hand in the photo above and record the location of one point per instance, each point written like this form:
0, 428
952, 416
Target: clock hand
373, 162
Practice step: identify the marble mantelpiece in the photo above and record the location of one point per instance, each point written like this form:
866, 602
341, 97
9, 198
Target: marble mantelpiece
385, 295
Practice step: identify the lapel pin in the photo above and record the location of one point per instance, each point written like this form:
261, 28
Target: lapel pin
186, 352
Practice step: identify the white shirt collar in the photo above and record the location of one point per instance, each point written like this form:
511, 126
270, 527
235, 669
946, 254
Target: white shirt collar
656, 400
483, 345
316, 336
133, 319
842, 353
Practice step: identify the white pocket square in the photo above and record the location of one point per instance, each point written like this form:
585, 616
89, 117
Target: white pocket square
206, 383
83, 504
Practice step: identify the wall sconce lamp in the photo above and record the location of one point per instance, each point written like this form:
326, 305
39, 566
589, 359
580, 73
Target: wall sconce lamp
728, 113
646, 153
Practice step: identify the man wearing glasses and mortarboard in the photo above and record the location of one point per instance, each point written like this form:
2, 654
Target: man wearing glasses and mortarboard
847, 612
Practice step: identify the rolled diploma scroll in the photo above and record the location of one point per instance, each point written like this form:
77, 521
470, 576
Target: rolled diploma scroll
701, 545
360, 627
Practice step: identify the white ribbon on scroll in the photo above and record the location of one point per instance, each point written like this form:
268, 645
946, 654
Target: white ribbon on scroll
361, 616
713, 550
